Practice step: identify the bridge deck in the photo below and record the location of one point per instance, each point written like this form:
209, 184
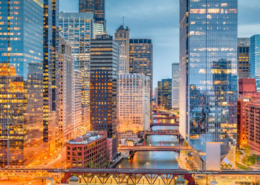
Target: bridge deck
154, 148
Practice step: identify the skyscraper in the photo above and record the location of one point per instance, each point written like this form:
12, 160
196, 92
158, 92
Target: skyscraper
50, 69
133, 103
103, 86
208, 77
254, 59
141, 59
175, 85
122, 38
97, 7
66, 92
165, 94
21, 80
243, 69
78, 30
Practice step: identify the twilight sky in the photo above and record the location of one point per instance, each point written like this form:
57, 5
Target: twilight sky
159, 20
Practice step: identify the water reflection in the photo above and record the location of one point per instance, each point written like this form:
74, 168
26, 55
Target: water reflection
155, 159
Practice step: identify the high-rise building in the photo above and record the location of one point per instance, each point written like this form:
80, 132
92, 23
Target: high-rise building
122, 38
133, 103
208, 77
77, 96
97, 7
175, 85
243, 68
50, 70
165, 94
21, 81
141, 59
66, 92
98, 29
247, 90
78, 30
254, 59
103, 86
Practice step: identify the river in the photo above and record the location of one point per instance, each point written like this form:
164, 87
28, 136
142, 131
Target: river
155, 159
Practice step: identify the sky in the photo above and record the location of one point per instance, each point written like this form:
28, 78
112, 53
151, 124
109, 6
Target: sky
159, 20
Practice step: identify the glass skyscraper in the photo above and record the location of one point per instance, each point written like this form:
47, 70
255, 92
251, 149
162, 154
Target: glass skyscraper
97, 7
21, 80
208, 74
254, 59
77, 28
243, 45
165, 94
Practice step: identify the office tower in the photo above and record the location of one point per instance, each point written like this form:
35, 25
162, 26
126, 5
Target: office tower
77, 96
141, 59
175, 85
21, 79
66, 92
98, 30
97, 7
247, 91
208, 77
165, 94
122, 38
254, 59
50, 70
103, 86
77, 29
243, 45
156, 96
133, 103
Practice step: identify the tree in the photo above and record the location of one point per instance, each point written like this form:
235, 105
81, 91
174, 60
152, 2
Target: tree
91, 164
248, 150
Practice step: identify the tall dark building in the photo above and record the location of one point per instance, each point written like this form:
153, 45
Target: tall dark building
97, 7
50, 68
165, 94
141, 58
243, 69
103, 86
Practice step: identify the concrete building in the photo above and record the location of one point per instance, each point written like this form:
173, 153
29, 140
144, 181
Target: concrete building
78, 127
254, 59
243, 69
133, 103
87, 151
165, 94
247, 90
122, 39
103, 88
208, 75
66, 92
80, 42
98, 29
175, 85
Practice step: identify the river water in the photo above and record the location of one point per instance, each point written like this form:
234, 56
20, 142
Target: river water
155, 159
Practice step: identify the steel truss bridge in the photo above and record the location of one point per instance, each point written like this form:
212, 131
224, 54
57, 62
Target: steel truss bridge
142, 134
126, 176
154, 148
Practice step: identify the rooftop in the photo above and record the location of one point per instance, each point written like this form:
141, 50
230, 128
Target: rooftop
89, 137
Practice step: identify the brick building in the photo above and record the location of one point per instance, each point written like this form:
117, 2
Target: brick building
87, 151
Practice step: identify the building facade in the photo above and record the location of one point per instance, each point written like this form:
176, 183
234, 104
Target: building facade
21, 81
208, 74
103, 86
243, 69
97, 7
175, 85
122, 38
98, 29
247, 89
254, 59
87, 151
165, 94
78, 30
133, 103
66, 92
141, 59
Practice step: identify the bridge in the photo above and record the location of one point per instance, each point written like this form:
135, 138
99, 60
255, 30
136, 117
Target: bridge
154, 148
143, 134
127, 176
163, 124
165, 117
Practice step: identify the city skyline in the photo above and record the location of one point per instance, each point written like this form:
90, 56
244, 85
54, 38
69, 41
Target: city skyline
144, 24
